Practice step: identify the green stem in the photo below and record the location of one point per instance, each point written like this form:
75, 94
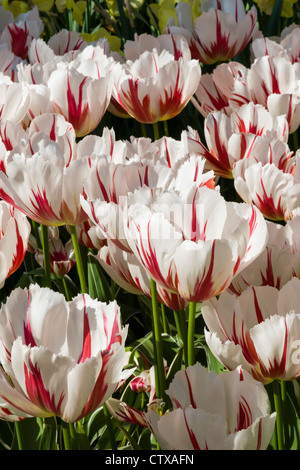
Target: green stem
87, 16
182, 331
128, 436
124, 21
295, 141
284, 404
72, 431
157, 331
66, 436
273, 26
35, 231
155, 131
143, 129
78, 257
279, 417
166, 128
70, 20
191, 334
164, 319
109, 427
19, 436
67, 295
45, 244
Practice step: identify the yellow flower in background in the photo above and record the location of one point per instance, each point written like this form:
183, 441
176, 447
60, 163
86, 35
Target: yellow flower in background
114, 41
113, 9
77, 8
16, 7
43, 5
165, 9
196, 7
267, 6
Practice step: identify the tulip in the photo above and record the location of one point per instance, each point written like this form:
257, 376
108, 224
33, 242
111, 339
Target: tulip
48, 128
175, 44
119, 151
81, 99
128, 272
289, 40
43, 187
121, 411
195, 242
258, 329
232, 138
108, 184
220, 33
277, 263
62, 257
155, 87
14, 100
62, 358
88, 235
288, 44
12, 135
8, 62
208, 97
66, 41
70, 84
19, 32
15, 230
125, 413
269, 179
226, 411
273, 81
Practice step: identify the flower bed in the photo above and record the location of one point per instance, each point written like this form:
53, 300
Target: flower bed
150, 208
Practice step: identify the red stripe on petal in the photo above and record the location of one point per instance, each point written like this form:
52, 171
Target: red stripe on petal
77, 112
37, 392
192, 436
99, 389
52, 131
193, 403
277, 369
19, 38
267, 206
244, 417
19, 253
259, 435
205, 286
43, 210
86, 343
258, 311
28, 337
149, 258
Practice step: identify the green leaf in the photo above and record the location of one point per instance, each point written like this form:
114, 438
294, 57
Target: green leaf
29, 430
6, 435
273, 27
175, 366
145, 439
95, 424
291, 419
47, 437
97, 282
145, 347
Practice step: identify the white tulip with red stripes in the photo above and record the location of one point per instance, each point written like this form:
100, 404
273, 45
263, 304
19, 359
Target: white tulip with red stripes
59, 358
